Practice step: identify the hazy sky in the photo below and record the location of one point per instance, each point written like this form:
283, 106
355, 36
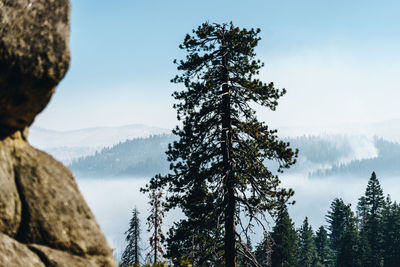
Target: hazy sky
339, 60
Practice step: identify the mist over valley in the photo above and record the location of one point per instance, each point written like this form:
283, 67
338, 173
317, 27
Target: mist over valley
328, 166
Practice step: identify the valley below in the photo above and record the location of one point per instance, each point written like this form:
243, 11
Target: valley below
113, 199
116, 163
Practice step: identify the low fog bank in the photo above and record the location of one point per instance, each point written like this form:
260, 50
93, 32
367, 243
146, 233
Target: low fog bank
314, 196
112, 201
387, 129
139, 150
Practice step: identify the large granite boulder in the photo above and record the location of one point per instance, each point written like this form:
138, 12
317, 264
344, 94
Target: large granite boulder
34, 57
44, 220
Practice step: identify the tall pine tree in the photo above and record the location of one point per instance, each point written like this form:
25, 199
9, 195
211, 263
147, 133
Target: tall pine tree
131, 254
222, 147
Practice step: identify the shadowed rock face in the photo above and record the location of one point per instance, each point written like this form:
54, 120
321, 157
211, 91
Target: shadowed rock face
34, 57
44, 220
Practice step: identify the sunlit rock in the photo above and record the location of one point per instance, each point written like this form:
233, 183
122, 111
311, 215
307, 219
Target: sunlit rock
44, 220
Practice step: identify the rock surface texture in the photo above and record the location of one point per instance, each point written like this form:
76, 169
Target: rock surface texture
44, 220
34, 57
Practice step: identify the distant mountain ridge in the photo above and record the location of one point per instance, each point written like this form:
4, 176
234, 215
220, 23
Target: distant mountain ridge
319, 156
68, 145
386, 163
387, 129
136, 157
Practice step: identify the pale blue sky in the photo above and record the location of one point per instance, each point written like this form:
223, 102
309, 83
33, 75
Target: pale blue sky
339, 60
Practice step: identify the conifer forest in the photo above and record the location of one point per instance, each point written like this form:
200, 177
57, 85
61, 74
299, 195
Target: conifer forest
199, 133
224, 175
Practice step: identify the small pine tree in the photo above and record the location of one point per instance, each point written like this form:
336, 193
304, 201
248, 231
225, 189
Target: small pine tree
264, 250
307, 250
131, 254
391, 236
285, 241
324, 252
337, 218
348, 254
375, 202
154, 223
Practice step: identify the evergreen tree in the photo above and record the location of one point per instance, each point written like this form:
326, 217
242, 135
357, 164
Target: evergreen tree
264, 250
391, 234
131, 254
362, 212
374, 205
338, 217
285, 241
307, 250
154, 223
198, 238
222, 147
324, 251
196, 243
364, 249
348, 253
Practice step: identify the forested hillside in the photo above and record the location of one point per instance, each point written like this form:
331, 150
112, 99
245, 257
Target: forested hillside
386, 163
319, 156
141, 156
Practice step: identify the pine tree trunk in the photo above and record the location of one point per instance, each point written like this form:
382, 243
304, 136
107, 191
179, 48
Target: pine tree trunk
136, 243
155, 228
226, 145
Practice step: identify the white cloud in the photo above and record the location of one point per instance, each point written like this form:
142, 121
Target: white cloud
329, 86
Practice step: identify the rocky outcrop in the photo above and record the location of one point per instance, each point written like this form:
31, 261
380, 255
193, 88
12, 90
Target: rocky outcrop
44, 220
13, 253
34, 57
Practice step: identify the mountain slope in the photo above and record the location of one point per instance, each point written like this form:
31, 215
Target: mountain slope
69, 145
386, 163
317, 154
136, 157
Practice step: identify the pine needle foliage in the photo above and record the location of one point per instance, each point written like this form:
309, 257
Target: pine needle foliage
222, 147
307, 249
285, 240
375, 204
322, 244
